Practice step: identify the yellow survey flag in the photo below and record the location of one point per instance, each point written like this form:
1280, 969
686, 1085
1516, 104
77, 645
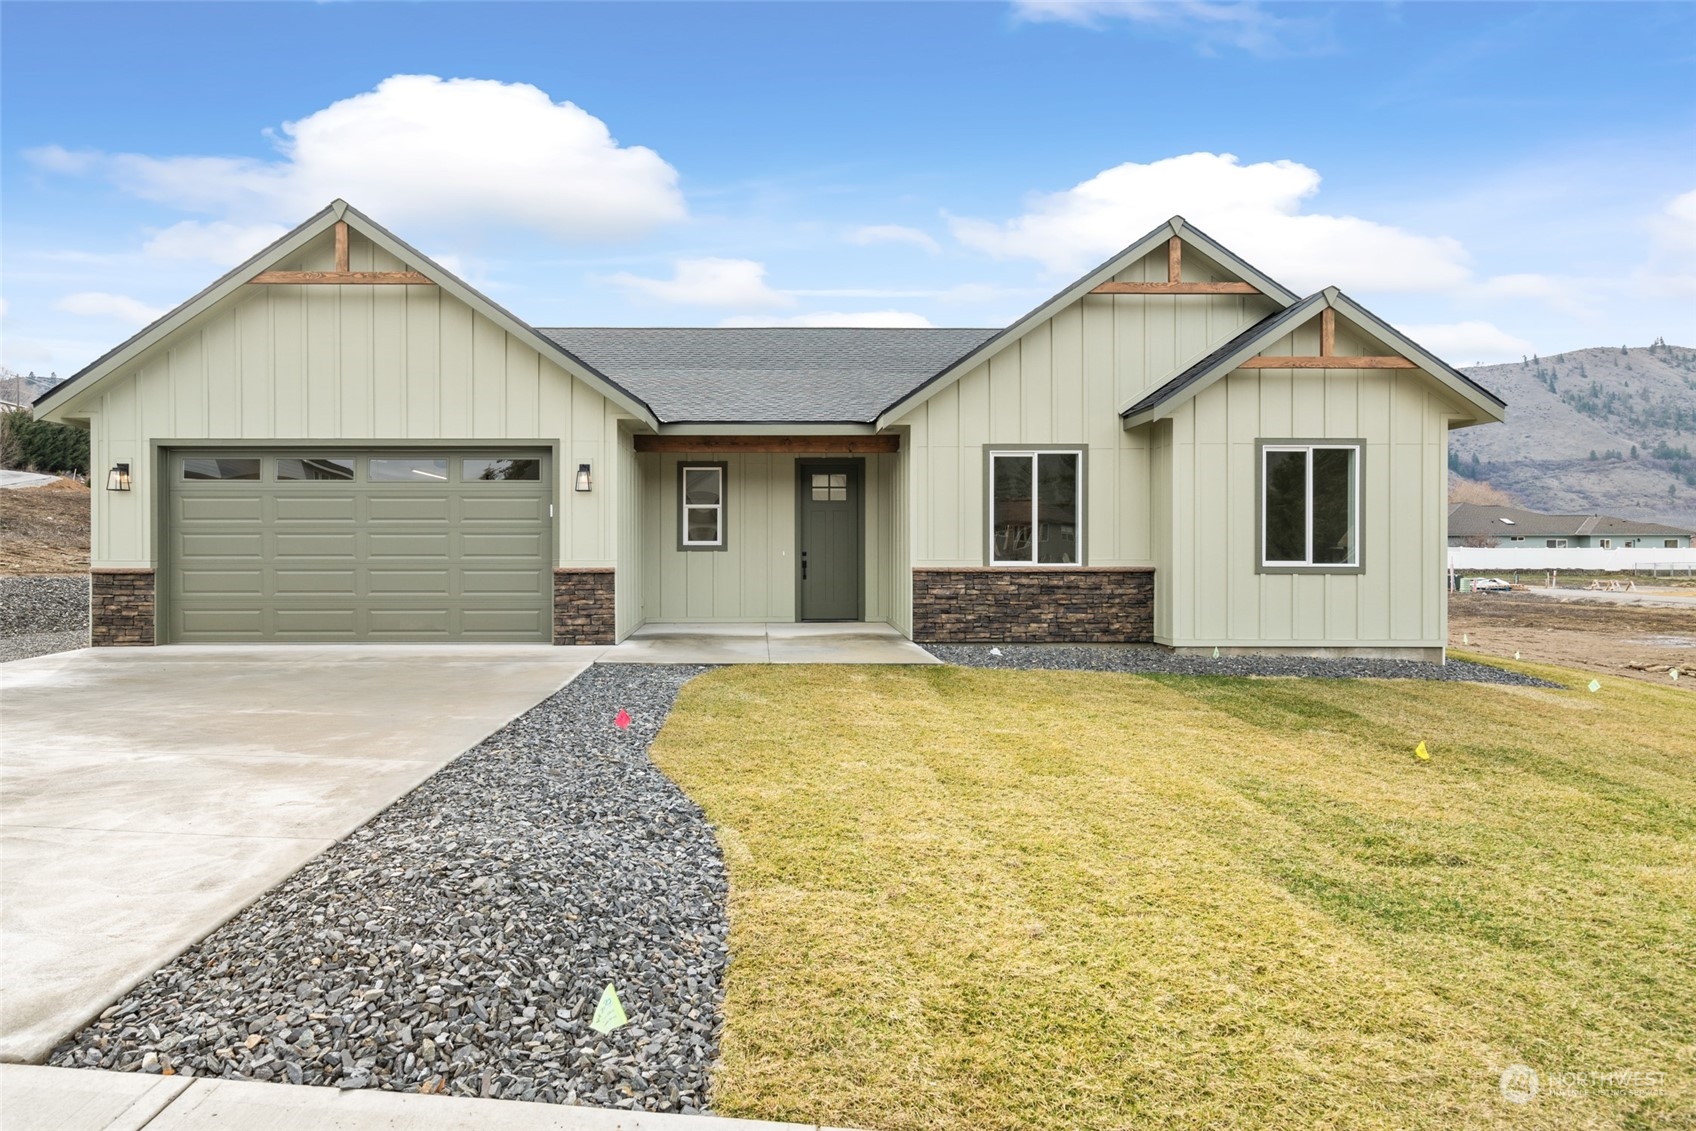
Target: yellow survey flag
1423, 754
609, 1014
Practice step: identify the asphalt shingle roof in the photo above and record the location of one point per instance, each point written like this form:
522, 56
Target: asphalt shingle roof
1473, 518
767, 374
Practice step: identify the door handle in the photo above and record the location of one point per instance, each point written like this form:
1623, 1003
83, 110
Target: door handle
803, 565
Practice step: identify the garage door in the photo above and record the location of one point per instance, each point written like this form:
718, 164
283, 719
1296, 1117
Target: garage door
325, 545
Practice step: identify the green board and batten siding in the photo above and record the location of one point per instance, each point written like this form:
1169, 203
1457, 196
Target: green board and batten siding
376, 365
437, 555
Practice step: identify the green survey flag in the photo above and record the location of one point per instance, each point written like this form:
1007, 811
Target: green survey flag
609, 1014
1595, 685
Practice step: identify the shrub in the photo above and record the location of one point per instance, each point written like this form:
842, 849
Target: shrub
40, 445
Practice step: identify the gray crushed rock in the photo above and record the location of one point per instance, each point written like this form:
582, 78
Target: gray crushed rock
41, 615
459, 942
1142, 659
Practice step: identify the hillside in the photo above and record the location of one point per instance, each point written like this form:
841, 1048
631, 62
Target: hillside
1608, 429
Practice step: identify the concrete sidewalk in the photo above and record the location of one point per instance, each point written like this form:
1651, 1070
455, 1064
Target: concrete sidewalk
74, 1099
149, 794
830, 642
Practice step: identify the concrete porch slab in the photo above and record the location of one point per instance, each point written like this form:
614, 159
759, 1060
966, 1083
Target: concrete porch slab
149, 794
849, 642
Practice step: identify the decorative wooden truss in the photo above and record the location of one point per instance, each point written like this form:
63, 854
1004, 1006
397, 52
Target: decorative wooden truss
342, 275
1174, 284
1328, 357
798, 445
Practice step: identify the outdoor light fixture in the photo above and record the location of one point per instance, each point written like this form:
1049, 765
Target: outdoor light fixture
583, 480
118, 479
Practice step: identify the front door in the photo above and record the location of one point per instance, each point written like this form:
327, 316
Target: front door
828, 539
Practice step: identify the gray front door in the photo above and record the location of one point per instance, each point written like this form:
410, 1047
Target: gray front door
828, 533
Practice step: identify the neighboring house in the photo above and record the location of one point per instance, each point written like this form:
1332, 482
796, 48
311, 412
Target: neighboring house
1473, 525
341, 441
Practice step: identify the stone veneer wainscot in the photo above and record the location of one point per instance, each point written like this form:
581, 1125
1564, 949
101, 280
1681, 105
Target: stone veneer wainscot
584, 612
1088, 605
120, 608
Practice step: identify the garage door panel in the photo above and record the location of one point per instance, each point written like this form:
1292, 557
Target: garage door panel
218, 505
524, 581
339, 510
227, 545
356, 559
490, 508
476, 544
343, 582
427, 508
293, 544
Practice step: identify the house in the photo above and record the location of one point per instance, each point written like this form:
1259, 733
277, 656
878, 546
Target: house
339, 440
1473, 525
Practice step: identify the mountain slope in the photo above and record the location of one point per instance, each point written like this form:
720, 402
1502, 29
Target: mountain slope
1609, 429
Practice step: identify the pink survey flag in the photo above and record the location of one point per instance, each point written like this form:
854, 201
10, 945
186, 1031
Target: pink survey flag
622, 722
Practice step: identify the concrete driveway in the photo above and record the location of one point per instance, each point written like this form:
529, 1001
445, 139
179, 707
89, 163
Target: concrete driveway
149, 794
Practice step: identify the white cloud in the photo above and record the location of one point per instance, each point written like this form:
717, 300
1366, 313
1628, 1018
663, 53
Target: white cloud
736, 283
893, 233
1242, 24
1469, 343
117, 308
1675, 226
1672, 254
218, 241
1253, 209
891, 318
423, 151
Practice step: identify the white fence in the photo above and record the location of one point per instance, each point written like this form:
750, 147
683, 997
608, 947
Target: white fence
1504, 559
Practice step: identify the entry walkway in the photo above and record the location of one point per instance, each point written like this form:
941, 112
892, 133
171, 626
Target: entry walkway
149, 794
76, 1099
852, 642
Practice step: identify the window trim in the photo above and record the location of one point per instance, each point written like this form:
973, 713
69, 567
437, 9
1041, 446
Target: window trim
1299, 443
990, 451
723, 469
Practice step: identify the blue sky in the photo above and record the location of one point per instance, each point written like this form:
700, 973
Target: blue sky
1496, 178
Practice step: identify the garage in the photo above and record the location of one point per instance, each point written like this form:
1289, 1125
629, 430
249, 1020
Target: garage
328, 545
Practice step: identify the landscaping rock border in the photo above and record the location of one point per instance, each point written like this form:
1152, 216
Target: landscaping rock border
459, 942
1148, 660
41, 615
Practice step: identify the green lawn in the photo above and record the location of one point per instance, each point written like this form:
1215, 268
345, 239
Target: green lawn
979, 900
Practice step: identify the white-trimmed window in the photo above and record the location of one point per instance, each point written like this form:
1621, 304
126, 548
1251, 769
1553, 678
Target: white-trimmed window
1607, 543
1555, 543
701, 506
1309, 505
1036, 507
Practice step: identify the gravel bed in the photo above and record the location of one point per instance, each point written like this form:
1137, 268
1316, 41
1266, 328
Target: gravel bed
1145, 659
39, 615
460, 941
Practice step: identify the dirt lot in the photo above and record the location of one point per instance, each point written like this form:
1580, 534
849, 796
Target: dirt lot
44, 529
1623, 640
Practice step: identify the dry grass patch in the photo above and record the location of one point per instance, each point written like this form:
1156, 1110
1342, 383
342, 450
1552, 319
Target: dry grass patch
994, 899
44, 530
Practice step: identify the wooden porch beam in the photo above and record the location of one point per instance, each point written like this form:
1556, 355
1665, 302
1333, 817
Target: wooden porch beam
341, 248
373, 278
1176, 289
1334, 361
774, 445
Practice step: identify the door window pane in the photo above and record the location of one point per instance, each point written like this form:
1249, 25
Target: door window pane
1010, 531
200, 467
830, 487
313, 467
1333, 506
1286, 506
409, 470
1057, 508
494, 470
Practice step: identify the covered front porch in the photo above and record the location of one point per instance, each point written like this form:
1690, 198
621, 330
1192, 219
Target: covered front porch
769, 643
729, 543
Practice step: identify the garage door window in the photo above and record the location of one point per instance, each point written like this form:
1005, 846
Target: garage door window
205, 468
498, 470
313, 467
409, 470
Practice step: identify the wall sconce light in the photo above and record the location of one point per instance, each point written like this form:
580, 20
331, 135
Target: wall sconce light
118, 479
584, 482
